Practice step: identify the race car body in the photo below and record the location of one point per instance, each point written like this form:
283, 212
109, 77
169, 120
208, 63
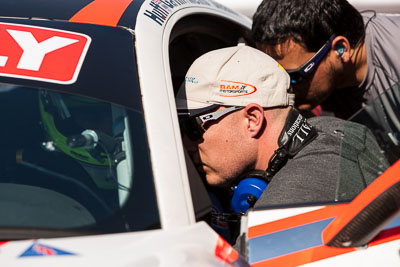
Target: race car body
194, 245
249, 7
93, 171
365, 231
92, 144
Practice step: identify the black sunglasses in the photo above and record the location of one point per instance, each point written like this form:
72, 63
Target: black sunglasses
192, 126
307, 68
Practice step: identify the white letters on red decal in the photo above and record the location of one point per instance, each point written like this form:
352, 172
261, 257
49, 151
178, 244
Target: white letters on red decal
42, 54
3, 61
34, 52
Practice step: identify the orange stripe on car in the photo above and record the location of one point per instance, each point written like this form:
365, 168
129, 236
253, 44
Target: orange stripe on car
377, 187
102, 12
324, 252
301, 219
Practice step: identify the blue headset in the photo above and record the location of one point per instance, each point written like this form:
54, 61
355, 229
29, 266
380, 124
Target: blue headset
340, 49
249, 190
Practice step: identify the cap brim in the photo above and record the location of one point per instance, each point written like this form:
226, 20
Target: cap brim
192, 108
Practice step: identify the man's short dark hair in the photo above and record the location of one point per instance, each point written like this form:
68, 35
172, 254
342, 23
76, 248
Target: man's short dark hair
308, 22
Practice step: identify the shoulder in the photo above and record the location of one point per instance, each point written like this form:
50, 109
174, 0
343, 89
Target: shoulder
386, 19
333, 125
381, 20
311, 175
326, 123
382, 49
329, 128
350, 136
337, 164
381, 31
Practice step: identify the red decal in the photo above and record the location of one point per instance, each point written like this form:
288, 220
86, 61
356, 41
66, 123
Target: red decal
385, 236
42, 54
225, 252
102, 12
43, 250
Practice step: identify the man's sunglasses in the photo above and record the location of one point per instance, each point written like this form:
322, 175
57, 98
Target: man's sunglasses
192, 126
307, 68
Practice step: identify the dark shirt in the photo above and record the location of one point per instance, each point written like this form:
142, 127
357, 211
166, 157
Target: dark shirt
337, 165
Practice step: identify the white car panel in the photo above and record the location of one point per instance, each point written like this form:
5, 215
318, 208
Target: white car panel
164, 137
266, 216
188, 246
387, 254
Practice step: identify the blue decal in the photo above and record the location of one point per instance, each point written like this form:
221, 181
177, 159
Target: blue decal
394, 223
287, 241
191, 80
41, 250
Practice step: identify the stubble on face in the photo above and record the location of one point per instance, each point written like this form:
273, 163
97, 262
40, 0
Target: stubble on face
313, 89
224, 152
317, 88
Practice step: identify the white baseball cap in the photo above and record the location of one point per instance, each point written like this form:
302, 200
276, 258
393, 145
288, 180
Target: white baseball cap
234, 76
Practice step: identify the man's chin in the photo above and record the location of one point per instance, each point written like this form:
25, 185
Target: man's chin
215, 181
305, 106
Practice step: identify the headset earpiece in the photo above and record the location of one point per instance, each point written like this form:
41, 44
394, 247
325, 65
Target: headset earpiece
248, 190
340, 49
246, 193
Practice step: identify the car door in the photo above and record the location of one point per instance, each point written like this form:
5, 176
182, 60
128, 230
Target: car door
180, 33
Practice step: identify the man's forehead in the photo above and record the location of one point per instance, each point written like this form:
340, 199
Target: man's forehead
289, 54
279, 51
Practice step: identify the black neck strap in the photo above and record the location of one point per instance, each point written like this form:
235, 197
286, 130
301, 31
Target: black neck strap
295, 135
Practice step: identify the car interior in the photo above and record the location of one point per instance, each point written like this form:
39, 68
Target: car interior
190, 38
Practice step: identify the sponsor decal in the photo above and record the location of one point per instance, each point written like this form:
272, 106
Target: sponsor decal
277, 244
159, 10
102, 12
40, 250
225, 252
42, 54
191, 80
301, 128
235, 89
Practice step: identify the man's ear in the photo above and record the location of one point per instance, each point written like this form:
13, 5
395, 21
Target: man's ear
255, 119
341, 48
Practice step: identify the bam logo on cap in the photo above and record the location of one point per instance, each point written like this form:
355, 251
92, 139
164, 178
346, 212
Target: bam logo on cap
235, 89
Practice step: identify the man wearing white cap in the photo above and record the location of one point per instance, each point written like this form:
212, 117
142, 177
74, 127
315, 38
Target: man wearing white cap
236, 112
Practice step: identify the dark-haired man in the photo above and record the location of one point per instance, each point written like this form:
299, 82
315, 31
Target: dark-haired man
336, 57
